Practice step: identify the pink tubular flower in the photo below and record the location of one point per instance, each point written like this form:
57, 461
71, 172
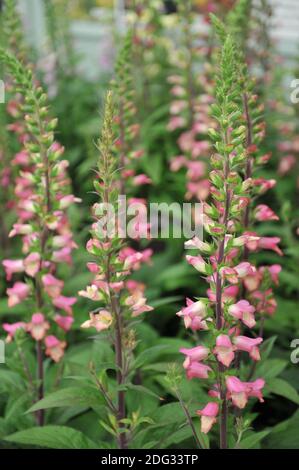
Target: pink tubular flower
54, 348
266, 302
137, 302
243, 311
239, 392
92, 292
244, 269
249, 345
198, 370
63, 255
11, 329
270, 243
263, 212
208, 416
199, 353
17, 293
274, 271
141, 179
38, 326
194, 315
65, 322
52, 285
254, 389
198, 263
20, 229
199, 244
12, 266
32, 264
224, 350
100, 321
65, 303
93, 267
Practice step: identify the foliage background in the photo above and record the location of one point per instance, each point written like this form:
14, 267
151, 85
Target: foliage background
77, 103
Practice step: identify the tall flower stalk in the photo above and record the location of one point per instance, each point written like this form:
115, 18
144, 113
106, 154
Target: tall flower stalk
222, 314
191, 96
257, 285
43, 227
121, 299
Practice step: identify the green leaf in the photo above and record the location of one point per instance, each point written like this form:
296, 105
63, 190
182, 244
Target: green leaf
251, 441
165, 301
71, 396
142, 389
149, 355
284, 389
284, 435
55, 437
178, 436
270, 368
267, 347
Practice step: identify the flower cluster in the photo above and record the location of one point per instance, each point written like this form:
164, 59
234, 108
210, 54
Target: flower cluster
189, 109
121, 299
127, 126
223, 259
43, 226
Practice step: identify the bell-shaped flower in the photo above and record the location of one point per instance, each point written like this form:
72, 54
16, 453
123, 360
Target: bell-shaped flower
198, 263
11, 329
38, 326
52, 285
199, 353
92, 292
32, 264
198, 370
244, 312
250, 345
224, 350
208, 416
54, 348
65, 303
194, 315
12, 266
64, 321
17, 293
100, 321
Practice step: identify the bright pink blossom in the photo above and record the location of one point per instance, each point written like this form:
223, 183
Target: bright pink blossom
198, 370
52, 285
208, 416
12, 266
17, 293
32, 264
11, 329
54, 347
263, 213
224, 350
100, 321
65, 303
243, 311
199, 353
250, 345
65, 322
198, 263
38, 326
194, 315
239, 392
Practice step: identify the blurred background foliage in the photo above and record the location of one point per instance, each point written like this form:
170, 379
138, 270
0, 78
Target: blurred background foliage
77, 102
